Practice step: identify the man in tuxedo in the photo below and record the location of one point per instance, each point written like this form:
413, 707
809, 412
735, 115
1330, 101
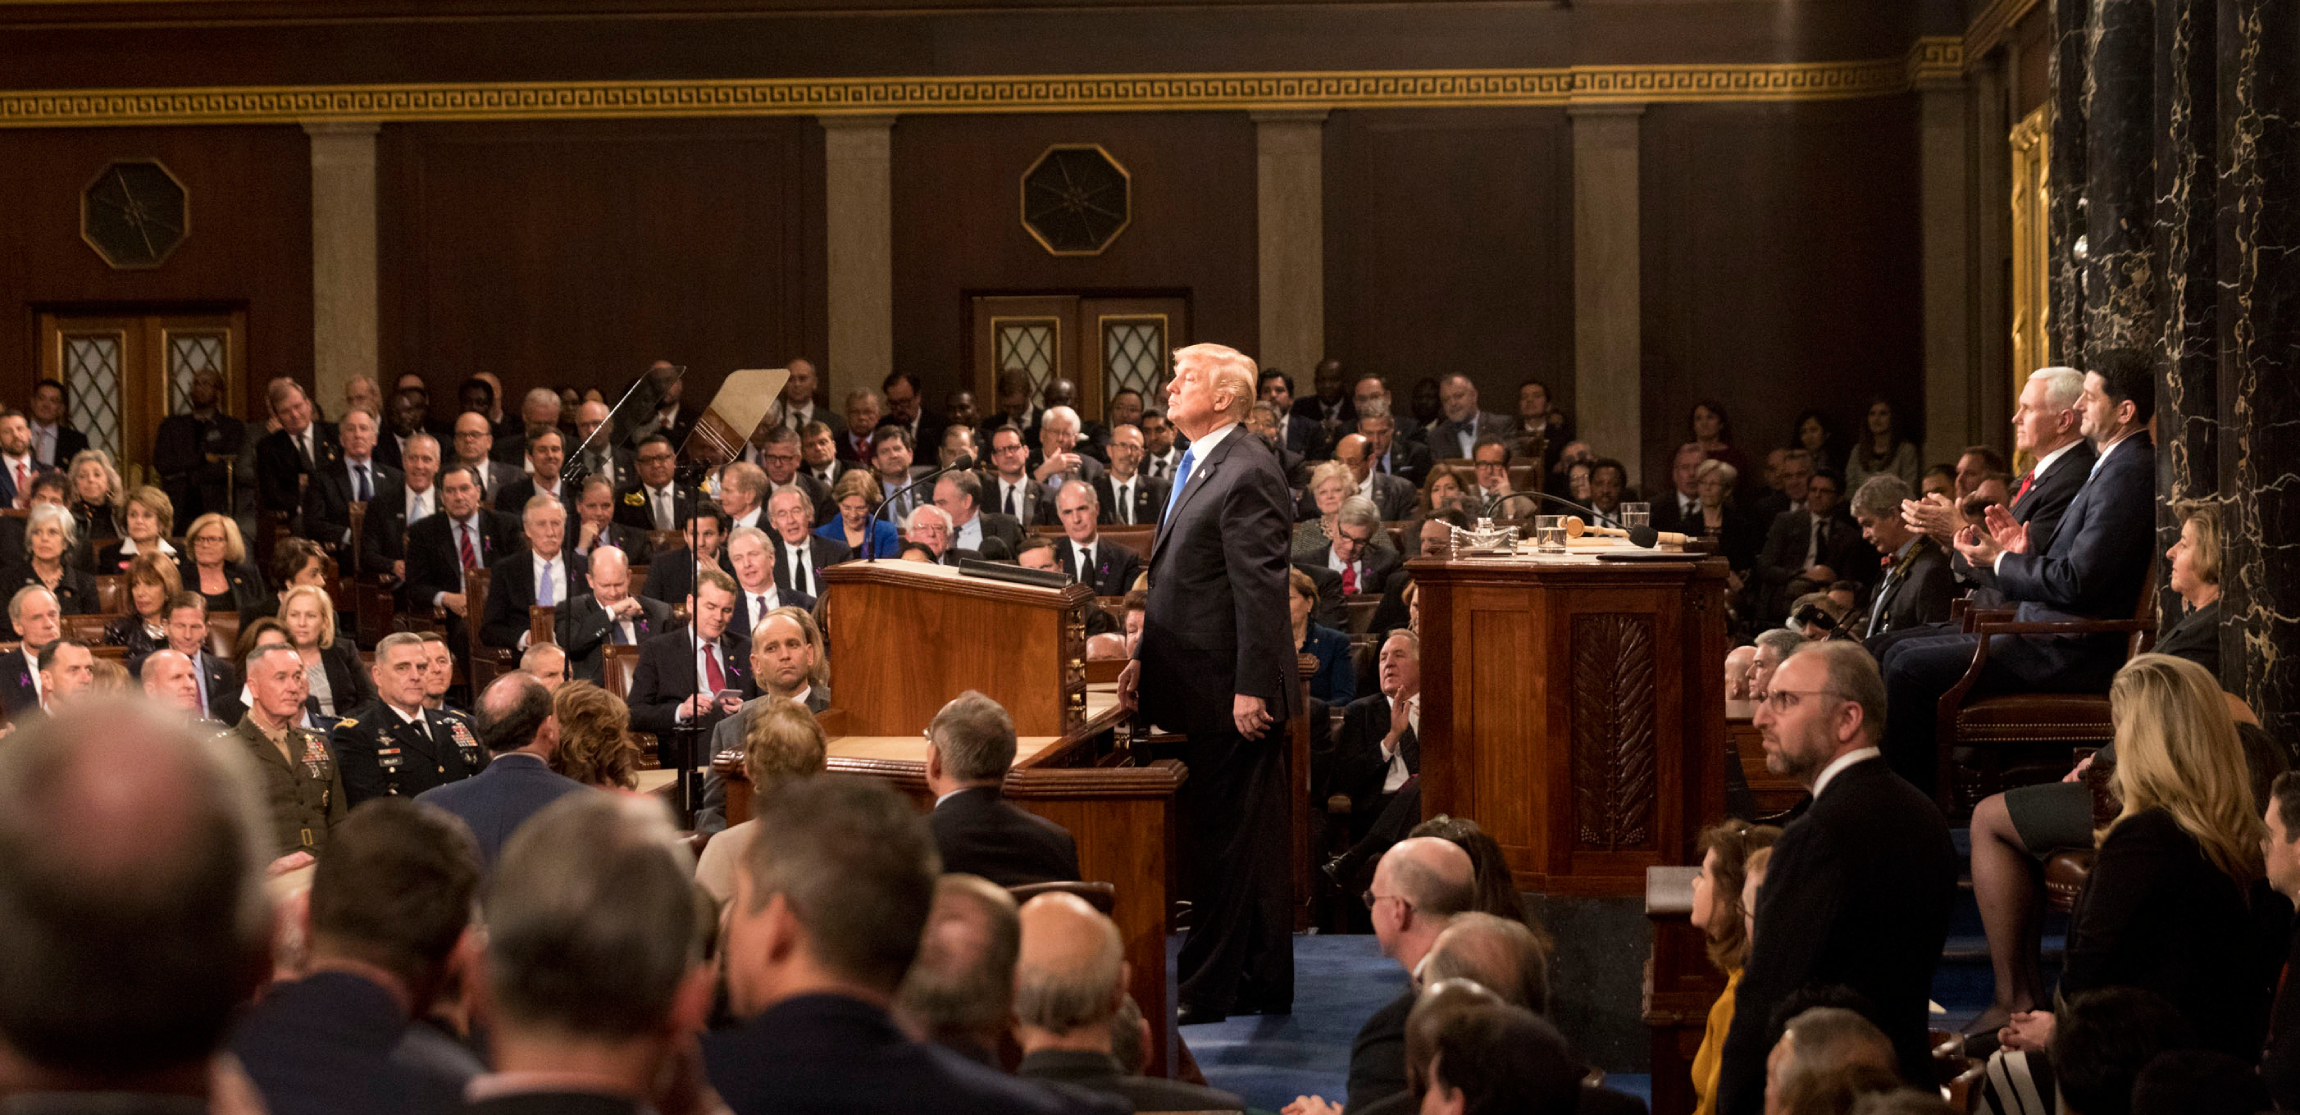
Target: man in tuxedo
1916, 585
1363, 568
819, 455
392, 745
474, 444
540, 577
383, 544
462, 536
1216, 661
652, 500
1681, 505
54, 441
826, 918
1392, 496
603, 458
2095, 568
863, 409
1301, 432
594, 523
609, 613
751, 556
1860, 887
959, 493
1160, 455
1406, 458
1008, 487
681, 673
1061, 457
801, 555
786, 653
779, 458
356, 477
1462, 424
1124, 495
39, 622
1809, 549
969, 747
193, 451
1108, 569
298, 448
546, 453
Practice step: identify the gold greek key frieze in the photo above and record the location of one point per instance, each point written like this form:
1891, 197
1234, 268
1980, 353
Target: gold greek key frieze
1063, 93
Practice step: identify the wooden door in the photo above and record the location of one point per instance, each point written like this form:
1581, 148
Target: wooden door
1104, 344
123, 373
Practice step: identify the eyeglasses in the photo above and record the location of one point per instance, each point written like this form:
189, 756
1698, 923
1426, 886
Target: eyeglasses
1372, 900
1782, 700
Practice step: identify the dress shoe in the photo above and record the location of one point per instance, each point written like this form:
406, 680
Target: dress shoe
1189, 1014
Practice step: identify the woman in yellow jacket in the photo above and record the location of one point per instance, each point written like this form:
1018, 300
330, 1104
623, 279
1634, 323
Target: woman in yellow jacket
1719, 912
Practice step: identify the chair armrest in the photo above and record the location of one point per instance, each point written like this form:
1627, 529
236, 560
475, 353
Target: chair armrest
2065, 627
1973, 617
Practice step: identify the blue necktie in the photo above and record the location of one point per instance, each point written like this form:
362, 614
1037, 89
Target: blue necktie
359, 472
1181, 478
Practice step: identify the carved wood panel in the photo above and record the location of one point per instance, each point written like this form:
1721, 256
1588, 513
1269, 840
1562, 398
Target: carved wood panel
1613, 731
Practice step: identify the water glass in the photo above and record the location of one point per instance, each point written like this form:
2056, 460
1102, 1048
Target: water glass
1549, 534
1634, 515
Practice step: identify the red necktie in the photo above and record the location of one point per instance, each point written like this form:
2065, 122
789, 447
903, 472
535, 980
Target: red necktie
1350, 579
2026, 479
23, 485
463, 542
717, 679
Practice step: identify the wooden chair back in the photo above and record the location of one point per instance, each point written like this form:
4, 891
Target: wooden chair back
1138, 539
358, 531
88, 629
618, 662
223, 634
543, 625
481, 659
112, 594
664, 541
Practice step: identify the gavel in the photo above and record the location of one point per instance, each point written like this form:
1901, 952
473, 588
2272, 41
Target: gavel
1575, 528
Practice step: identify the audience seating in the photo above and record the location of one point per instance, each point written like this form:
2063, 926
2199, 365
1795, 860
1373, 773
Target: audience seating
617, 663
664, 541
542, 625
223, 634
88, 629
486, 662
2067, 870
112, 594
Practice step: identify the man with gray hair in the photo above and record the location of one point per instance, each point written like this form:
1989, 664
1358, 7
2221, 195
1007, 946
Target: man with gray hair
960, 495
609, 613
1859, 888
1069, 984
959, 993
1917, 583
572, 1030
970, 745
1356, 552
930, 526
1819, 1041
296, 773
516, 724
1059, 460
743, 492
1774, 646
133, 944
38, 621
826, 918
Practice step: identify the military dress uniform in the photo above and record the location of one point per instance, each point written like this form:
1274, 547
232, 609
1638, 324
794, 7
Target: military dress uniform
305, 794
384, 753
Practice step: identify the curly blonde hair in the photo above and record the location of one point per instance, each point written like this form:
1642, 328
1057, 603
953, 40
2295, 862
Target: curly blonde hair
595, 745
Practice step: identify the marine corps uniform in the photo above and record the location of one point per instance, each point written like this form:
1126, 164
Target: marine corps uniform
304, 793
385, 753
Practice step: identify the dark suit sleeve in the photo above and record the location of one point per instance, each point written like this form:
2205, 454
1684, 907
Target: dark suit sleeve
1926, 597
1358, 754
1775, 564
1257, 523
1129, 570
1797, 912
498, 627
654, 707
2110, 548
277, 466
374, 549
2137, 859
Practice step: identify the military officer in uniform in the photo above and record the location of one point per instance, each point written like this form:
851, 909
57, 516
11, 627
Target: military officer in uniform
393, 744
302, 782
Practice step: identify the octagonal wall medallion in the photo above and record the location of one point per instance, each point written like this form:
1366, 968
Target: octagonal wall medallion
1076, 199
135, 214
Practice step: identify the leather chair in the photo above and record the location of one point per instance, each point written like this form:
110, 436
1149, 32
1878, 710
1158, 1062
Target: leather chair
2014, 725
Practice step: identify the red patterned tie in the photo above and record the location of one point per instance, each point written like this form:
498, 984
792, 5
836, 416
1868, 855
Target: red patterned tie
463, 542
711, 671
1350, 579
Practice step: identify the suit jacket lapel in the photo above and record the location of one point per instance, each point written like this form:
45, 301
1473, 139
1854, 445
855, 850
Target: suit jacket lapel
1201, 474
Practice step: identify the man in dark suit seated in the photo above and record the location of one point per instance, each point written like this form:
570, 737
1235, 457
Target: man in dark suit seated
383, 541
387, 912
995, 535
464, 535
609, 613
671, 573
2094, 568
1681, 505
516, 727
959, 993
541, 576
826, 918
594, 524
215, 686
786, 662
751, 557
1125, 495
1352, 555
1808, 549
1069, 984
603, 458
299, 447
355, 477
1108, 569
1391, 451
1461, 424
652, 499
474, 442
1377, 759
1393, 496
818, 452
928, 527
1916, 585
1007, 486
970, 745
546, 455
681, 673
1860, 886
779, 458
1300, 432
192, 450
1262, 421
39, 622
557, 1002
801, 555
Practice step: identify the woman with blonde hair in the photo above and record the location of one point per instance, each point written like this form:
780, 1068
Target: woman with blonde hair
152, 582
220, 569
96, 493
2166, 908
1331, 484
595, 744
857, 496
49, 535
338, 683
146, 518
783, 744
1725, 853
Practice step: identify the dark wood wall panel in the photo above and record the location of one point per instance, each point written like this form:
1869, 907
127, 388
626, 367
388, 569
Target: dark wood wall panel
578, 253
1781, 267
250, 242
1449, 247
957, 228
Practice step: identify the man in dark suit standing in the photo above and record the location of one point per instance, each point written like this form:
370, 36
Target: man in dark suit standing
542, 576
355, 477
191, 451
516, 726
609, 613
1916, 585
216, 685
392, 745
681, 673
1216, 661
969, 747
1462, 425
383, 538
1108, 569
1808, 549
1124, 495
54, 441
298, 448
2095, 568
801, 555
1860, 886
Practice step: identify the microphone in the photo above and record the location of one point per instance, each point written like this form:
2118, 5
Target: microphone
1641, 537
963, 461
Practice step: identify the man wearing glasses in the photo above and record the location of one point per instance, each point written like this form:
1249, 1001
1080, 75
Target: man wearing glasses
1859, 889
652, 500
1492, 461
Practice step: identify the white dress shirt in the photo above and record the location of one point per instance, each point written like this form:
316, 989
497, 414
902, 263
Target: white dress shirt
706, 652
1016, 490
748, 518
421, 505
1394, 774
802, 571
44, 444
760, 603
1082, 559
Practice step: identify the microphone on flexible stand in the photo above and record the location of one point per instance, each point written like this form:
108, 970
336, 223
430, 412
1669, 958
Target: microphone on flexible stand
1641, 537
961, 462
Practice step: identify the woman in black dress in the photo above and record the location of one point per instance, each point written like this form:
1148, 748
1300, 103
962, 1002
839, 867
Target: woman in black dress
96, 493
337, 682
152, 582
146, 520
48, 536
219, 569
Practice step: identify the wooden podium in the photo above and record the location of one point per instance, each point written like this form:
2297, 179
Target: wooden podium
906, 637
1575, 709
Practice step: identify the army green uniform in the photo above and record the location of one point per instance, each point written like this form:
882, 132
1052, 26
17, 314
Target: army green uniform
304, 793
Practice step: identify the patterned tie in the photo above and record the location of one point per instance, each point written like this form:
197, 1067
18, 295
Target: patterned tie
1350, 579
463, 543
662, 504
1181, 478
1125, 502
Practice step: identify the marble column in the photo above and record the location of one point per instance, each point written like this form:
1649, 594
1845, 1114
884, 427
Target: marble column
858, 222
2064, 219
1943, 156
1290, 208
2259, 367
343, 254
1608, 370
2187, 349
2121, 269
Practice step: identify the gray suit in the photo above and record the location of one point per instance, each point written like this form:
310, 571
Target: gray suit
711, 814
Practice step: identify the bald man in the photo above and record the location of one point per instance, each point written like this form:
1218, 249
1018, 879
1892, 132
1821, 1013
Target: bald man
1069, 984
609, 614
1394, 495
172, 680
959, 992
